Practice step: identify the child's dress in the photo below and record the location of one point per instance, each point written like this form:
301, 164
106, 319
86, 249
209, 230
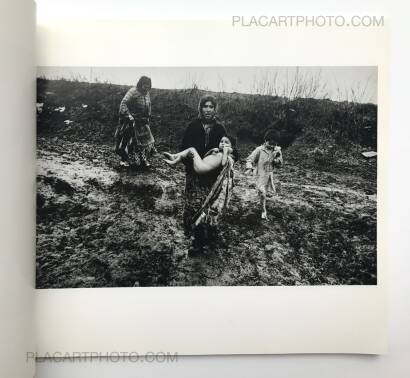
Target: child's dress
264, 160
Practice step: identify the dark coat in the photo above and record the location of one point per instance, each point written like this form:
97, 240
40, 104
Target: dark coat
194, 136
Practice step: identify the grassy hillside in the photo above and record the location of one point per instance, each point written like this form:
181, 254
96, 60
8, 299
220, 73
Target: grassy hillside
324, 125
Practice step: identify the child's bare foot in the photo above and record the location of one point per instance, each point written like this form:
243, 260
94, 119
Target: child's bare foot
264, 215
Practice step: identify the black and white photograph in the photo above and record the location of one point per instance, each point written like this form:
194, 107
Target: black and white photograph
206, 176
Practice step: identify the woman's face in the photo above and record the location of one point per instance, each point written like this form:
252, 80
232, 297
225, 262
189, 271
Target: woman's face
225, 142
145, 88
208, 110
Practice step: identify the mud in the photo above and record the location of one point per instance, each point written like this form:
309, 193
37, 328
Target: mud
99, 226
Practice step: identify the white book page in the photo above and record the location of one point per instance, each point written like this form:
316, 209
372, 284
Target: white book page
217, 320
17, 193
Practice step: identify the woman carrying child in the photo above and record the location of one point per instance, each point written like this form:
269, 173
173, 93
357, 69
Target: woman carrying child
216, 160
203, 134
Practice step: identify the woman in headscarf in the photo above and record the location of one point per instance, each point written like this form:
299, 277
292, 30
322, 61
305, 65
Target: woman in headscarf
204, 134
133, 133
219, 159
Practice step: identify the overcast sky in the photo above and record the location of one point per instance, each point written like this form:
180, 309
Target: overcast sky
337, 83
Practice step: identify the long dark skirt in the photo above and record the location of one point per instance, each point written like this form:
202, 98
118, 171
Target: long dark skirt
196, 191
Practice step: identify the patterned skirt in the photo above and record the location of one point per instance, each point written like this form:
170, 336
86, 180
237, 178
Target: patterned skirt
134, 137
205, 200
143, 136
218, 198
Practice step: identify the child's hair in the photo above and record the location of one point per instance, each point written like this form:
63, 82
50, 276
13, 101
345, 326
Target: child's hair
271, 136
232, 139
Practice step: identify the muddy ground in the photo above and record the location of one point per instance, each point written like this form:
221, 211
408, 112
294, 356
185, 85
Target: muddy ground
100, 226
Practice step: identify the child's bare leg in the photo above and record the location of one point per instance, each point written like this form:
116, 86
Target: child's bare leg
262, 197
175, 158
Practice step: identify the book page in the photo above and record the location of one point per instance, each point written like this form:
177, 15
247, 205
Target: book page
138, 299
17, 242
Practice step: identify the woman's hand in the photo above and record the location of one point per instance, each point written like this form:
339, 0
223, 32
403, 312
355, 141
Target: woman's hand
131, 118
